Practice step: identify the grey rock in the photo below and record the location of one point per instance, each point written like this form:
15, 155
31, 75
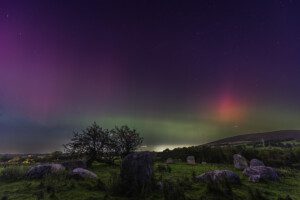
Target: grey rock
261, 173
40, 171
191, 160
239, 162
80, 173
137, 170
255, 162
218, 176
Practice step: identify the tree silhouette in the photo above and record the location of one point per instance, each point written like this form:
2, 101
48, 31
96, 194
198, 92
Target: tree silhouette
127, 140
94, 142
99, 144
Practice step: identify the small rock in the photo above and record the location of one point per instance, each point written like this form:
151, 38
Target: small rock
239, 162
255, 162
191, 160
80, 173
218, 176
259, 173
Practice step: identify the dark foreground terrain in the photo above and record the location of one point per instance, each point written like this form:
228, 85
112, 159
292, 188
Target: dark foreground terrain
181, 174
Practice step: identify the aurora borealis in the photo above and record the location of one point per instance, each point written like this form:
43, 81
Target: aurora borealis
180, 72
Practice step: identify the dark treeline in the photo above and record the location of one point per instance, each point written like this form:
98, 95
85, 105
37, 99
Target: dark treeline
277, 157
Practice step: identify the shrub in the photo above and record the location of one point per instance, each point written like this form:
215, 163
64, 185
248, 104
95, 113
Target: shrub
13, 173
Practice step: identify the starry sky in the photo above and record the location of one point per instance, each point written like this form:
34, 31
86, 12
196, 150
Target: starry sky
180, 72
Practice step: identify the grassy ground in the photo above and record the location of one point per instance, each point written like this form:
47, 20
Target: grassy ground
60, 188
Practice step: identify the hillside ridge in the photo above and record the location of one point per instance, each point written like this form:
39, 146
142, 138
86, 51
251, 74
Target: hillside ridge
255, 137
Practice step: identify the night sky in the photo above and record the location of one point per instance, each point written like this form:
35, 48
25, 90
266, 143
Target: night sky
180, 72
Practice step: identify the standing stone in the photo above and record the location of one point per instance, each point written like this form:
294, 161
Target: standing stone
191, 160
137, 171
80, 173
239, 162
261, 173
169, 161
255, 162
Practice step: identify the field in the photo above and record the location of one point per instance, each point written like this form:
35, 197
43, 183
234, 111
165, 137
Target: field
59, 187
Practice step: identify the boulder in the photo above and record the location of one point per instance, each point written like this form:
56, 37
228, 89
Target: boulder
170, 161
80, 173
191, 160
40, 171
137, 170
73, 164
261, 173
255, 162
239, 162
218, 176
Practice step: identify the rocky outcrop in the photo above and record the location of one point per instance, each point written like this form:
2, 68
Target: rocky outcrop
261, 173
255, 162
191, 160
239, 162
137, 170
40, 171
80, 173
219, 176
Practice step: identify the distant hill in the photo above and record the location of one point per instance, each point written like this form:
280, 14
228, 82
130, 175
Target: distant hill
282, 135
